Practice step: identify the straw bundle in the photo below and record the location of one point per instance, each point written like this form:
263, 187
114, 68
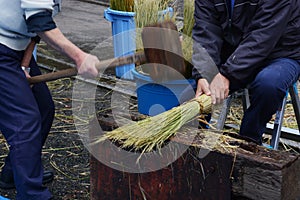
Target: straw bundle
152, 132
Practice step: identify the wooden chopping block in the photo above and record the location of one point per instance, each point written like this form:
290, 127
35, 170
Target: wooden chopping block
237, 169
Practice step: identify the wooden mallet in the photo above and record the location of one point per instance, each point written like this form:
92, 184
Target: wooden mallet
163, 47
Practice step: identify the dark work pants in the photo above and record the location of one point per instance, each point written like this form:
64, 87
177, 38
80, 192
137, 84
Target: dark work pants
266, 95
26, 115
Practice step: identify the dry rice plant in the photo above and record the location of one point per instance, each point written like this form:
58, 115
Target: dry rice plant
152, 132
150, 12
188, 23
122, 5
188, 17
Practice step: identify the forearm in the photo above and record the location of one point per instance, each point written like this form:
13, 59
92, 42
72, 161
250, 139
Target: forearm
43, 25
59, 42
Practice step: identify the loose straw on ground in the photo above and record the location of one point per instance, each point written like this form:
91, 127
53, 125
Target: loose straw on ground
152, 132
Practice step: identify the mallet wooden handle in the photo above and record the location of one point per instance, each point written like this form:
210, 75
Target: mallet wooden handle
28, 54
137, 58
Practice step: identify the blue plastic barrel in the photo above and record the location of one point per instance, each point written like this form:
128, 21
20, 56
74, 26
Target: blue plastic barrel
3, 198
123, 31
156, 98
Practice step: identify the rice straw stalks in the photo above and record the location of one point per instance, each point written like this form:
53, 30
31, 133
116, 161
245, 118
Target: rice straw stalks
122, 5
150, 12
152, 132
188, 24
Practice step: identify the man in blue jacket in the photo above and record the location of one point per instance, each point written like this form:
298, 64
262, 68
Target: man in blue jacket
254, 44
26, 113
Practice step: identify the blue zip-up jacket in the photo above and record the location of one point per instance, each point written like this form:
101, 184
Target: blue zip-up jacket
240, 44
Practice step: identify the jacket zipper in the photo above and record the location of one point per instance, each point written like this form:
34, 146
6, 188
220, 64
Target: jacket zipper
230, 12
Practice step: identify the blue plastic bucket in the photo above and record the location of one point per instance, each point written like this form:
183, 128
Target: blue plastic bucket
3, 198
123, 31
156, 98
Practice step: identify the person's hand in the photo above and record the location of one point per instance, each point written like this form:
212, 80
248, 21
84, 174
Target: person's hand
219, 88
26, 74
87, 67
26, 71
202, 88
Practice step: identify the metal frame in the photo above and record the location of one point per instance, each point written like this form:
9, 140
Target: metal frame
276, 130
293, 91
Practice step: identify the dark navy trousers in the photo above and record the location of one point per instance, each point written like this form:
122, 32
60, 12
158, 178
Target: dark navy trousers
26, 116
266, 95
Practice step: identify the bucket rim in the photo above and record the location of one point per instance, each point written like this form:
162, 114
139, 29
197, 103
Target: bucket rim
118, 12
146, 78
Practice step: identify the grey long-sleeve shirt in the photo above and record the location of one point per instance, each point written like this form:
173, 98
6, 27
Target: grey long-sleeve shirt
14, 14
